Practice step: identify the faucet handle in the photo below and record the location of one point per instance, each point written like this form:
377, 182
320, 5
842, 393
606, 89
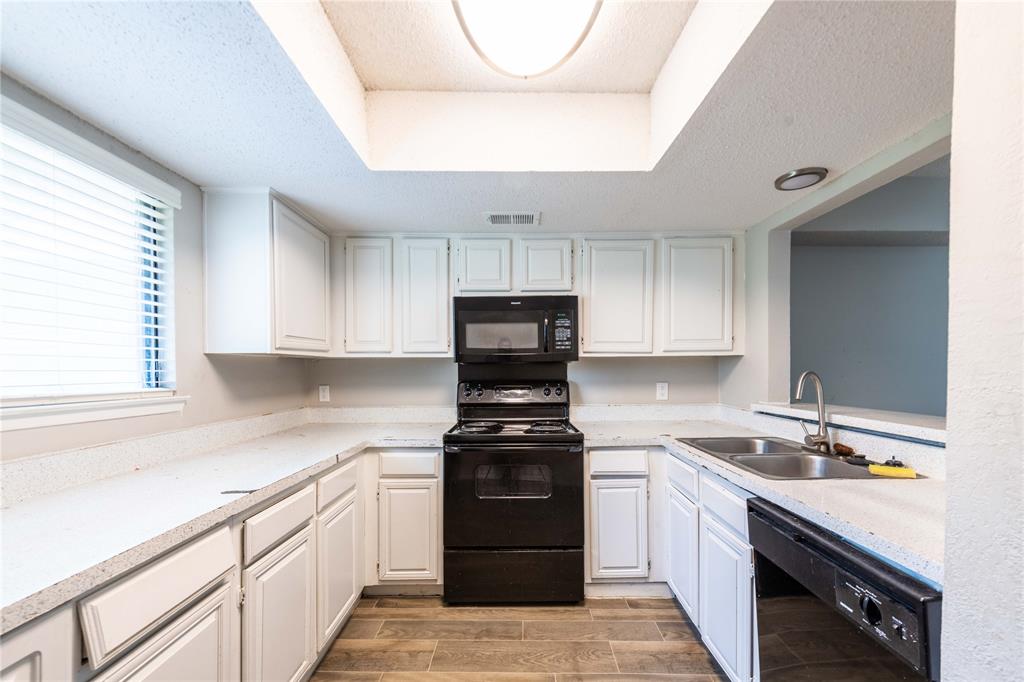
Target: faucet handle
807, 434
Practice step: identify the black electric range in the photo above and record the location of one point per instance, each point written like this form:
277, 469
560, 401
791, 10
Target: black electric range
513, 494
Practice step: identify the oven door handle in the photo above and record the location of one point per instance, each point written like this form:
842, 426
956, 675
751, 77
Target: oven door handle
513, 448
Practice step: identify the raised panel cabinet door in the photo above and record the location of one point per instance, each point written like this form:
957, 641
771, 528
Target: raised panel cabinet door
425, 299
44, 650
726, 609
698, 294
368, 295
618, 528
618, 277
337, 586
196, 646
278, 639
408, 529
485, 265
546, 264
302, 273
683, 542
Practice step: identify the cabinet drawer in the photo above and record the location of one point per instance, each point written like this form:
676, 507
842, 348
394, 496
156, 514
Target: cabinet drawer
684, 477
421, 463
335, 484
266, 529
118, 616
618, 462
727, 502
195, 646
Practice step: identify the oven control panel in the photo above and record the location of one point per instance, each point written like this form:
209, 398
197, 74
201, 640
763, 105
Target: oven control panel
881, 617
554, 392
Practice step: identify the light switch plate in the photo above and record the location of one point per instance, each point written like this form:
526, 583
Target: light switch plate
661, 390
325, 393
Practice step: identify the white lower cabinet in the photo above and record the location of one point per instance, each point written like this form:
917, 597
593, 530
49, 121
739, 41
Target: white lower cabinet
42, 650
683, 543
278, 641
337, 565
618, 528
408, 518
196, 646
725, 601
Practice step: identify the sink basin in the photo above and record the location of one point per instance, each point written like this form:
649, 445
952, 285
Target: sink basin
745, 446
798, 466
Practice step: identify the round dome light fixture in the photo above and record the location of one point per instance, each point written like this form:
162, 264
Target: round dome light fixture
526, 38
800, 178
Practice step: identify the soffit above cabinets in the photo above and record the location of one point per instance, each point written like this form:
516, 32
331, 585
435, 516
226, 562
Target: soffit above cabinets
226, 99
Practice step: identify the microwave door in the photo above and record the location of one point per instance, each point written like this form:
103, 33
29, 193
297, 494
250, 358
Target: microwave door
502, 334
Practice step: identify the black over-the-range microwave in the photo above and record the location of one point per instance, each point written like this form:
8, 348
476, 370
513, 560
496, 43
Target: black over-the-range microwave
516, 329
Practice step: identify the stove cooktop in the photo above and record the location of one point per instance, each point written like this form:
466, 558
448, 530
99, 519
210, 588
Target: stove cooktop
525, 429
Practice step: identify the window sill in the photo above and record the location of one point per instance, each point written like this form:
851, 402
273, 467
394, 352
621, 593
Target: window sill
16, 417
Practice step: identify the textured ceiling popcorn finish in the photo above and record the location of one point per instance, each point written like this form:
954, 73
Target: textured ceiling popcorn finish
217, 99
419, 46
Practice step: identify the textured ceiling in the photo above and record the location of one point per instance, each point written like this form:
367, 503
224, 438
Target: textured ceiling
419, 46
205, 89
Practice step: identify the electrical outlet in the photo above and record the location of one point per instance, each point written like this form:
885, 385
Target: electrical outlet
661, 390
325, 393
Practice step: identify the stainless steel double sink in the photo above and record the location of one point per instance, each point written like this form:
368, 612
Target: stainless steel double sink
777, 458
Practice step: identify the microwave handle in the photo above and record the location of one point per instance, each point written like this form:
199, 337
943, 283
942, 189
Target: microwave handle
545, 333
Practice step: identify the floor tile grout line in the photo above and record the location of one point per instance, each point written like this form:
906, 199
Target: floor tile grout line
432, 654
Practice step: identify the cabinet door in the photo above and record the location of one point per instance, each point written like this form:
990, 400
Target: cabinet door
337, 561
197, 646
301, 283
408, 529
698, 294
277, 617
425, 300
43, 650
726, 610
546, 264
618, 279
682, 543
485, 265
367, 295
618, 528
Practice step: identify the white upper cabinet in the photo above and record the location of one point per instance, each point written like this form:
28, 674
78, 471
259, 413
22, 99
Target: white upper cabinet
697, 294
546, 264
618, 296
267, 276
368, 295
425, 299
485, 265
302, 273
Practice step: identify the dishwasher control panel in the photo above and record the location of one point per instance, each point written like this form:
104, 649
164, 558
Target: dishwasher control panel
880, 617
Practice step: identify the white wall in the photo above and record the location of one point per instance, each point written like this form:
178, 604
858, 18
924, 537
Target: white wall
432, 381
762, 372
220, 387
983, 602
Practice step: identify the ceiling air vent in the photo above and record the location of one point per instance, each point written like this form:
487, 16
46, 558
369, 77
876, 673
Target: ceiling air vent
512, 218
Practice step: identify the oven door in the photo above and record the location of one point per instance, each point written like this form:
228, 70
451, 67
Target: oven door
513, 496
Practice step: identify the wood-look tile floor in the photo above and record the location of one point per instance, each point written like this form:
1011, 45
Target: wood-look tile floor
404, 639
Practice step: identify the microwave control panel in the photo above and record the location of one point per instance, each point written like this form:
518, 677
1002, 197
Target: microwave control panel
563, 330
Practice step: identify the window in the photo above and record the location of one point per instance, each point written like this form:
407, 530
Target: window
86, 289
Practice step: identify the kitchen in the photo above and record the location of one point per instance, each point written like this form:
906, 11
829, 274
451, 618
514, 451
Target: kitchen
331, 350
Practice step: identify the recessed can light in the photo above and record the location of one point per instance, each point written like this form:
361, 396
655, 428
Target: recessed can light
800, 178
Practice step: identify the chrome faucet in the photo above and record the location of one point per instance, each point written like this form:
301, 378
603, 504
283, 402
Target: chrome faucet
822, 440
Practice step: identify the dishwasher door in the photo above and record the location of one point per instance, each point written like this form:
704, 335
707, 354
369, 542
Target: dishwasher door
826, 610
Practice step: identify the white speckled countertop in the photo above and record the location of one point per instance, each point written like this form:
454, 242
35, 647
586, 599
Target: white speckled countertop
59, 546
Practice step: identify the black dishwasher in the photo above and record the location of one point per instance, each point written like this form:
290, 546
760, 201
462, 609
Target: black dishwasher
827, 610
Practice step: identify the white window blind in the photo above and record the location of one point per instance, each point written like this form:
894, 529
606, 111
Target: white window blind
85, 278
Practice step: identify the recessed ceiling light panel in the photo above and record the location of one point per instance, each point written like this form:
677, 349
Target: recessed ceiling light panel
526, 38
800, 178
